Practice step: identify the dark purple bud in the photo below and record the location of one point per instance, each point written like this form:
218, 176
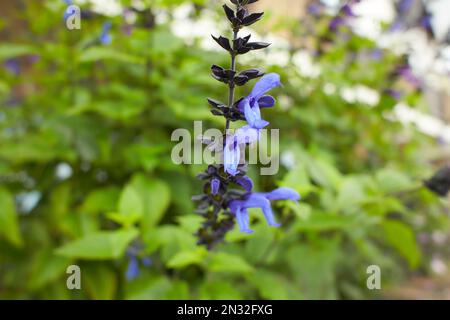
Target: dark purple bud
223, 42
215, 185
251, 19
439, 183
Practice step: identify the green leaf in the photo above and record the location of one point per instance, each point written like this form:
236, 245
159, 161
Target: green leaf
323, 173
105, 53
102, 245
47, 268
392, 181
298, 179
226, 262
9, 224
258, 245
131, 207
326, 222
219, 290
402, 238
101, 200
10, 50
148, 288
99, 280
270, 285
155, 196
185, 258
351, 193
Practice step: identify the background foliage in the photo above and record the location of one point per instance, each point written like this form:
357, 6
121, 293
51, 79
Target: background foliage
86, 176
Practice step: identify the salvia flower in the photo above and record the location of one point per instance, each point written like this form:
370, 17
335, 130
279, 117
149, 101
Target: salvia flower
134, 263
231, 155
260, 200
250, 106
105, 37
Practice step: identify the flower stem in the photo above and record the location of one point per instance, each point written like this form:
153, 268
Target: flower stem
231, 84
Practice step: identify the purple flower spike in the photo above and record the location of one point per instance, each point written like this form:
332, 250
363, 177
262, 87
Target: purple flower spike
250, 105
215, 185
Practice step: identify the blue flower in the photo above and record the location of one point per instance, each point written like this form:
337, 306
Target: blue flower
260, 200
133, 268
245, 182
105, 37
257, 99
67, 12
231, 155
232, 151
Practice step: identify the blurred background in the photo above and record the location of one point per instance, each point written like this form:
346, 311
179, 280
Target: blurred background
86, 176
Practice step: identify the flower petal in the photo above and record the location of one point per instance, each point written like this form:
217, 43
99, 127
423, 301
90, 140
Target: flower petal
282, 194
258, 200
266, 102
267, 82
245, 182
243, 220
253, 116
133, 268
247, 134
231, 156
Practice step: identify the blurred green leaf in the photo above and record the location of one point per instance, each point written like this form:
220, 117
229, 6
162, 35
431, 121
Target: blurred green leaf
402, 238
226, 262
102, 245
99, 280
9, 224
108, 54
185, 258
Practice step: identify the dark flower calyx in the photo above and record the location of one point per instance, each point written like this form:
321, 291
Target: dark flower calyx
216, 104
241, 45
221, 74
439, 183
223, 42
243, 2
241, 17
247, 75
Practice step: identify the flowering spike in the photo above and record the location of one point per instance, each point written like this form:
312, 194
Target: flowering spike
221, 204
